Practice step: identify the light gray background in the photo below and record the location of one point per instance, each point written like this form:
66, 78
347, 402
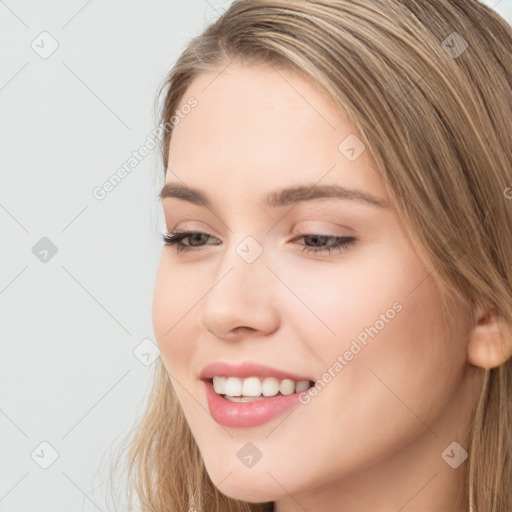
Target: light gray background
77, 343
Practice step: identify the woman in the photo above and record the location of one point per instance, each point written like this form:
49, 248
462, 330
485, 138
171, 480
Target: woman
333, 304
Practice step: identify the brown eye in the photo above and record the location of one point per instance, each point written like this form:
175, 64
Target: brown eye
319, 246
195, 238
176, 238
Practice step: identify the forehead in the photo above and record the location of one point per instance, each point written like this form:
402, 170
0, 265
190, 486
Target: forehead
256, 124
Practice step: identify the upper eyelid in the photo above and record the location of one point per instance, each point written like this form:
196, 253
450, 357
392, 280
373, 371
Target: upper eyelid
324, 208
190, 231
309, 230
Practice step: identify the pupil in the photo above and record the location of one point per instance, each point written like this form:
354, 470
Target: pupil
317, 238
195, 237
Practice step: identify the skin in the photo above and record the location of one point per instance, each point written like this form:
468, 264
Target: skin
372, 438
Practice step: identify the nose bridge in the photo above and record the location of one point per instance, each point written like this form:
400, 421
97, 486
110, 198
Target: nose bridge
244, 259
241, 295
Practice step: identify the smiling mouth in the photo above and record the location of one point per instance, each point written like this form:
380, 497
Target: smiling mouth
251, 389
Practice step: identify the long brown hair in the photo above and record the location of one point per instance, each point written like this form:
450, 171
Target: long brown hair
428, 84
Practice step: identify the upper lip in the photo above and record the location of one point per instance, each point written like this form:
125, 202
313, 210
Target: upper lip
247, 369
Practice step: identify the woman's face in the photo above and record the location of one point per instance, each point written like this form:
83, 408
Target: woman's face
364, 320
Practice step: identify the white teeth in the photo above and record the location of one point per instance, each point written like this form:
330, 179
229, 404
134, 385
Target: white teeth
254, 387
233, 386
270, 386
287, 387
301, 386
219, 384
251, 387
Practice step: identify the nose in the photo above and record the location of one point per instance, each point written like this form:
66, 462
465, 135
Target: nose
241, 300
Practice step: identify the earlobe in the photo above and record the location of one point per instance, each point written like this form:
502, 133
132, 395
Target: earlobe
490, 343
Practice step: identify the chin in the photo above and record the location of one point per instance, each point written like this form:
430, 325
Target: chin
249, 492
245, 484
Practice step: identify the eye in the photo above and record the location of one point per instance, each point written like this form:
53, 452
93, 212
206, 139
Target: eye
175, 238
319, 246
341, 243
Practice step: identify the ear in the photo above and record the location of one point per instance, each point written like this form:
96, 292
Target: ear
490, 343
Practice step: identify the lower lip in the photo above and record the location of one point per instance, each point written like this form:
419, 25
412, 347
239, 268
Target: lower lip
248, 414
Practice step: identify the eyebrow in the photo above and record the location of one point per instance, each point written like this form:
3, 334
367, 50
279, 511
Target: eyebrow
283, 197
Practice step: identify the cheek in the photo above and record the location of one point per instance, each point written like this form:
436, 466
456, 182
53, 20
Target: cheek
174, 321
383, 342
358, 298
173, 315
399, 363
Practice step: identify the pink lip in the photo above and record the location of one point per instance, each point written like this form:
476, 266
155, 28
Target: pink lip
248, 414
247, 369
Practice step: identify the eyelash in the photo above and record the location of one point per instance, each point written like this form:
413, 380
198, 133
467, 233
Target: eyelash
342, 244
